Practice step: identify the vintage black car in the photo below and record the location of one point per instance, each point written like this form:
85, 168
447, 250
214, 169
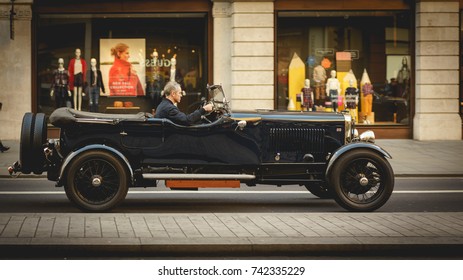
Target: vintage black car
99, 156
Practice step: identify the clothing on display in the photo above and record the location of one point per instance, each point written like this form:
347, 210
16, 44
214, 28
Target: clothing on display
94, 86
351, 98
74, 78
367, 91
60, 88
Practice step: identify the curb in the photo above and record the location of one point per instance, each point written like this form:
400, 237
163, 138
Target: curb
322, 247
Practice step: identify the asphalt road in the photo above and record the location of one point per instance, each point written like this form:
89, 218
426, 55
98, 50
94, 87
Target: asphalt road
410, 195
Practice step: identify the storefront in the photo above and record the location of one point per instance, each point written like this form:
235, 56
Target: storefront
367, 53
390, 63
136, 48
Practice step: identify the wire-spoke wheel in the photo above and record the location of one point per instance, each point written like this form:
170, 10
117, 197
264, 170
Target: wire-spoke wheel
362, 180
96, 181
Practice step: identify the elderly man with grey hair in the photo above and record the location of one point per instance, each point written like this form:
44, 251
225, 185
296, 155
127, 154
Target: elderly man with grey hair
168, 109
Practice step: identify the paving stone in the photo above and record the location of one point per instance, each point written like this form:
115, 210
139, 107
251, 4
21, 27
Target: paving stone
60, 227
76, 227
13, 227
140, 227
172, 228
45, 227
108, 227
29, 227
124, 227
234, 226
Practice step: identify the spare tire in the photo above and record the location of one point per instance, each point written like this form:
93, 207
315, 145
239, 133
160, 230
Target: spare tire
25, 146
38, 139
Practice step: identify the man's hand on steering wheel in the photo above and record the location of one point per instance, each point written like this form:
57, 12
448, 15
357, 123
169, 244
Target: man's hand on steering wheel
208, 107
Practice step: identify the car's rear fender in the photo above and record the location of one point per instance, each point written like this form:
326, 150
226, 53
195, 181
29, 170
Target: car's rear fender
95, 147
353, 146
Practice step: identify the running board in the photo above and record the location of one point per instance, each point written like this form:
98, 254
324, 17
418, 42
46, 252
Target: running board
183, 176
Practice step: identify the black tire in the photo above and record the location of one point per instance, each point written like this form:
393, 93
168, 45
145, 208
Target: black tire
38, 140
97, 181
362, 180
319, 191
25, 145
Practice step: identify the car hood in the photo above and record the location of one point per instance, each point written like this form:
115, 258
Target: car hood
288, 116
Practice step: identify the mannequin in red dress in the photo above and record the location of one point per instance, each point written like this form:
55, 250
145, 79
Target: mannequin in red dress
77, 68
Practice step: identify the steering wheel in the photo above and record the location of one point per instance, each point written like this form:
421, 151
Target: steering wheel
211, 115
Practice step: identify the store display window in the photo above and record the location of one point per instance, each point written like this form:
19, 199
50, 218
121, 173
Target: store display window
355, 61
119, 63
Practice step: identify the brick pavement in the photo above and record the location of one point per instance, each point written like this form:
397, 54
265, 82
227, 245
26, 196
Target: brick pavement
238, 233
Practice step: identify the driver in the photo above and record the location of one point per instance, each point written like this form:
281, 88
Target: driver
168, 108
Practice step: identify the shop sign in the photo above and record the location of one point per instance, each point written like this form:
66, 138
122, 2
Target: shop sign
355, 54
324, 52
161, 62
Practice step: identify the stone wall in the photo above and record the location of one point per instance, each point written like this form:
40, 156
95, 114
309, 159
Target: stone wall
437, 72
15, 62
251, 53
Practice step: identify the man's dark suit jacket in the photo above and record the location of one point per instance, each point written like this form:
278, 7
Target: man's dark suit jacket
166, 109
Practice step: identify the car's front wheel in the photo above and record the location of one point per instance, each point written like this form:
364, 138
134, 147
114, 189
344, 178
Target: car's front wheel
362, 180
97, 181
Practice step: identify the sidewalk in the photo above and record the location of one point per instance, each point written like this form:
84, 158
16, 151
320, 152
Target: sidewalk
366, 235
316, 235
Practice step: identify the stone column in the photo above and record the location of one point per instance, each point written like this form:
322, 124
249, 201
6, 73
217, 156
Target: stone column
15, 65
221, 12
248, 63
437, 72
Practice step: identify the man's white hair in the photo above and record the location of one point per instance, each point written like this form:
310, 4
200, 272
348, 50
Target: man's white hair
171, 86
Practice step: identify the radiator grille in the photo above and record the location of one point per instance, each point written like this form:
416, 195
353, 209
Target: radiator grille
305, 140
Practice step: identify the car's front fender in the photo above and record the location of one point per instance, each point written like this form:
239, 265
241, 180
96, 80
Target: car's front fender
72, 155
353, 146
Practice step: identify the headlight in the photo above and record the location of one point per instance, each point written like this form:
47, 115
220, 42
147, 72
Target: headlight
368, 136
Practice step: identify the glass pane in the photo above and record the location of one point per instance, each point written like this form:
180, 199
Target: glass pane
136, 56
370, 48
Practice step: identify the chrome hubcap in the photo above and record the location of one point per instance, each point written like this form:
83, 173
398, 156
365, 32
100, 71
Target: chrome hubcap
96, 181
363, 181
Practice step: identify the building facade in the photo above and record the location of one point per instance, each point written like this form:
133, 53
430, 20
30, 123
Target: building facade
395, 65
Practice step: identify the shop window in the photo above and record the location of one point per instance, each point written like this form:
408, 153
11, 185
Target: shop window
136, 55
356, 61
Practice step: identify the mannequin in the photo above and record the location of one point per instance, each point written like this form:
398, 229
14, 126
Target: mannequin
173, 63
77, 68
352, 100
333, 90
60, 86
403, 78
367, 91
307, 96
319, 77
155, 67
94, 85
352, 96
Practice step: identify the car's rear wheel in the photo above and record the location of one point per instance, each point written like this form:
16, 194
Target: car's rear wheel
39, 137
97, 181
25, 146
362, 180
